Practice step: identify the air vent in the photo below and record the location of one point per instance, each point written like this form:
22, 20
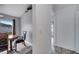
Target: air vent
29, 8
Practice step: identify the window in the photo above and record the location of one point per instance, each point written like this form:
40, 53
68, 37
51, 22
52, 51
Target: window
6, 26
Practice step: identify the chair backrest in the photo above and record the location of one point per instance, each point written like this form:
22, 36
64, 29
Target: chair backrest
24, 35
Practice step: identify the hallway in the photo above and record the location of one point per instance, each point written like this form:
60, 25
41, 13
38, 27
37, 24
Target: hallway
43, 28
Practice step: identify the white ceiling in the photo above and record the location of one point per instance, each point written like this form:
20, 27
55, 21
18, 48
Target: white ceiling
57, 7
13, 9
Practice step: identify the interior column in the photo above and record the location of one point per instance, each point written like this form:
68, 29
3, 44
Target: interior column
41, 29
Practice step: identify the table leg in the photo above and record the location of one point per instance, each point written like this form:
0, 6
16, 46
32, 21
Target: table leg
9, 49
10, 45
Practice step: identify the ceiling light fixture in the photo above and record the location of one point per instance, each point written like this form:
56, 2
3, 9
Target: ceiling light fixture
1, 15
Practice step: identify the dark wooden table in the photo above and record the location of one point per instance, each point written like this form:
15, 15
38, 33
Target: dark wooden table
10, 39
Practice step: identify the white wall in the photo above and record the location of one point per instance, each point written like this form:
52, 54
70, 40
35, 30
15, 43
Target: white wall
65, 27
41, 29
77, 29
18, 26
26, 25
